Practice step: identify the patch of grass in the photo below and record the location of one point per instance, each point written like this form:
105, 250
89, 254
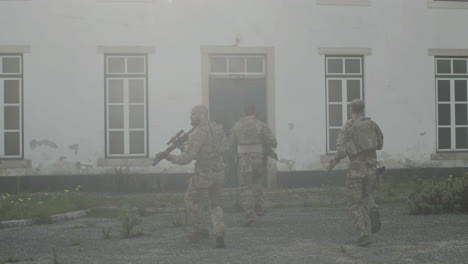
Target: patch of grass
12, 259
75, 242
40, 206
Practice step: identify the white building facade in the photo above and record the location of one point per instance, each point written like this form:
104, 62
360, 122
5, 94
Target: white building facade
91, 86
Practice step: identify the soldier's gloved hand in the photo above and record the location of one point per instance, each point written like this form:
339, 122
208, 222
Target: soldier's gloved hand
333, 162
170, 157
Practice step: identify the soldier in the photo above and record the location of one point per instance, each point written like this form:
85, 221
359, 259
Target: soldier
251, 136
205, 145
359, 139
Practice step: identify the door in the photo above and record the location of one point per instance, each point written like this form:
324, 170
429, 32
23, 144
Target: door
241, 82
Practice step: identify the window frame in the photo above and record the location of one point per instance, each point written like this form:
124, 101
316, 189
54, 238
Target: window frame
14, 76
344, 77
245, 73
451, 77
126, 77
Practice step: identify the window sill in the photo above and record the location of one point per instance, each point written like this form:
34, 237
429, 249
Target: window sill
126, 49
15, 164
450, 156
447, 4
448, 52
344, 2
125, 162
344, 51
126, 1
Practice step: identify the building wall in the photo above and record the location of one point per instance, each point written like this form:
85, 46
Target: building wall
64, 73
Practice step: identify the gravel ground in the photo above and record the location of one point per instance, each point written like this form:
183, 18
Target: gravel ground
294, 235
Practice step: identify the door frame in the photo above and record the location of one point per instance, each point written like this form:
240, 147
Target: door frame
268, 52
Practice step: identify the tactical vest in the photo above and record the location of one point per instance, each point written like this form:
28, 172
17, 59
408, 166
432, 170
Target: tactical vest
364, 137
247, 134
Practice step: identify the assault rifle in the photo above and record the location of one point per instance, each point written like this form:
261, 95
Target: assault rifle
268, 152
330, 168
177, 141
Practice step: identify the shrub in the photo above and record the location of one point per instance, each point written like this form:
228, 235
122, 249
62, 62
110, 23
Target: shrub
440, 196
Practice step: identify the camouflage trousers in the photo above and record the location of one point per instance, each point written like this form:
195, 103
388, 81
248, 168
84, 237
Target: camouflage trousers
251, 170
360, 185
204, 208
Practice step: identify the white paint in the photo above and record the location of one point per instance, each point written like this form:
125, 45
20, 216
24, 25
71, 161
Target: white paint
64, 78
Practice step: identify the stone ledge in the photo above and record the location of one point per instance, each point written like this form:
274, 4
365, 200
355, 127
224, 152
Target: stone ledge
53, 218
448, 52
15, 48
344, 2
126, 49
344, 51
125, 162
15, 164
69, 215
450, 156
447, 4
126, 1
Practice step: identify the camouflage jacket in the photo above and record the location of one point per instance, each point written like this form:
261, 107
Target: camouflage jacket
344, 144
205, 145
265, 136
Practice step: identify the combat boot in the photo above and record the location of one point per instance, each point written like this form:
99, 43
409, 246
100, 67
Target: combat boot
220, 242
364, 241
250, 219
374, 216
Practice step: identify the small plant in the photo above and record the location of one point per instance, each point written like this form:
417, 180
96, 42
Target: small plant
75, 242
106, 230
13, 258
179, 220
55, 258
129, 219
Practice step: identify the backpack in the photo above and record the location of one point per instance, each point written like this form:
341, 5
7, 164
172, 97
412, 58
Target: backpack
366, 135
247, 133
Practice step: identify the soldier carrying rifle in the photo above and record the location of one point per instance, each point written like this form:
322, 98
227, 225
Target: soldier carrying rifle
205, 145
359, 139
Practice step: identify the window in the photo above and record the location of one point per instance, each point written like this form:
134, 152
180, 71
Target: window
344, 82
11, 106
126, 80
452, 103
251, 65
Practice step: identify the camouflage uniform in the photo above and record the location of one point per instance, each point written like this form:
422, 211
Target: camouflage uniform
204, 192
361, 178
251, 163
